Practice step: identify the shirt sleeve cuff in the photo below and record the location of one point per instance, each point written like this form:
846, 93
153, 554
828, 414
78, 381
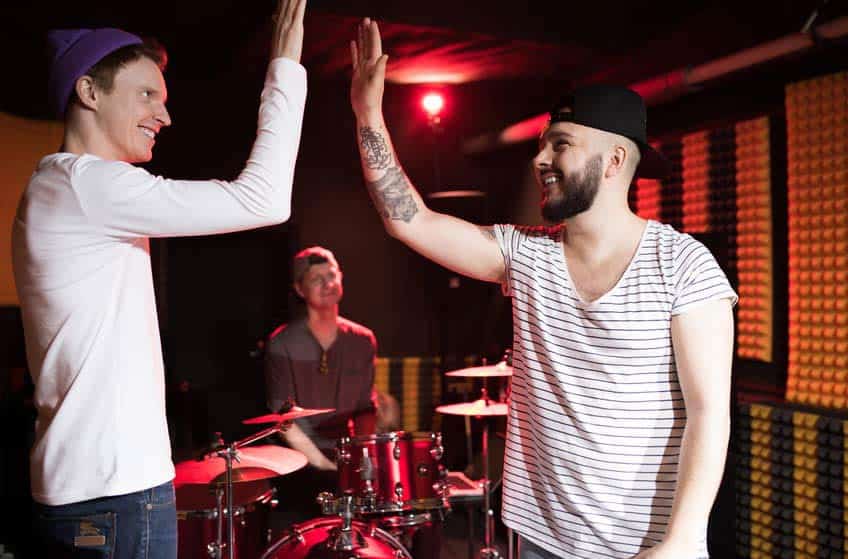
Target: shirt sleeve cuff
285, 70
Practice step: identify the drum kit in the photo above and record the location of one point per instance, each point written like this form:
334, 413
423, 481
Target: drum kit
390, 485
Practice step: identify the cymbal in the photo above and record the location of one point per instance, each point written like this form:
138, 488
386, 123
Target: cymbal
295, 413
255, 462
498, 370
476, 408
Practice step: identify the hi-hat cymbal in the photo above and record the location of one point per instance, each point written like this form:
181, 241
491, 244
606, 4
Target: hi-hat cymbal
295, 413
254, 463
476, 408
498, 370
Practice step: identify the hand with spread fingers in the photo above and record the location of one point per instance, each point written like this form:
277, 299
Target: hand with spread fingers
287, 39
369, 70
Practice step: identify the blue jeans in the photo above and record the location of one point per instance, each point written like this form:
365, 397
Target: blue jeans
140, 525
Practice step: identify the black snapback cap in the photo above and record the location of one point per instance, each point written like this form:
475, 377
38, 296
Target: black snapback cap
614, 109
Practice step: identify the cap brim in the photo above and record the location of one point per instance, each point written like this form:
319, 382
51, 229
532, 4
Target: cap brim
653, 164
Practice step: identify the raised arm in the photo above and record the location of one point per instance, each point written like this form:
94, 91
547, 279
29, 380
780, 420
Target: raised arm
128, 201
461, 246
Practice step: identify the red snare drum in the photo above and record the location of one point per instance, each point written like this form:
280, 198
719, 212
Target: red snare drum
392, 473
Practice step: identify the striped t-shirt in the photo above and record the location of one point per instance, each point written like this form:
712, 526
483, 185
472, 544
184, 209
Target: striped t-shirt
596, 413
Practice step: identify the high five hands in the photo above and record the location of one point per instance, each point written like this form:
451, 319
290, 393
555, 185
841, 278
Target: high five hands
369, 71
287, 37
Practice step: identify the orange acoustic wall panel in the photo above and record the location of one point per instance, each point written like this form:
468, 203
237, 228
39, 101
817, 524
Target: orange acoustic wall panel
696, 182
817, 159
754, 240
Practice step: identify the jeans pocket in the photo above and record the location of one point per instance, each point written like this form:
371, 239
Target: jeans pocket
163, 497
81, 536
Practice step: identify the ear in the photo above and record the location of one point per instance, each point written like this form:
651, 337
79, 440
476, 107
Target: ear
617, 161
87, 92
298, 290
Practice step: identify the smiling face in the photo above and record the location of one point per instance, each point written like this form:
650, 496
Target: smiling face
131, 113
321, 286
568, 170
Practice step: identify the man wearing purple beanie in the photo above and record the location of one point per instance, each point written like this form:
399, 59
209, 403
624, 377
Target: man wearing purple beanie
101, 467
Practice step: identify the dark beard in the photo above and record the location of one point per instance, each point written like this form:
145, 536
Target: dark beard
578, 193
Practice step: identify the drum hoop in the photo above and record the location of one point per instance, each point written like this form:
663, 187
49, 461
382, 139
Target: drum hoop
429, 503
368, 528
388, 437
207, 513
393, 436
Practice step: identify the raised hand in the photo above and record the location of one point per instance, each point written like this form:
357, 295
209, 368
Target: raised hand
287, 38
369, 71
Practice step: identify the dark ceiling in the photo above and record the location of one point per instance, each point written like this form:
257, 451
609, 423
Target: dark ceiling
545, 42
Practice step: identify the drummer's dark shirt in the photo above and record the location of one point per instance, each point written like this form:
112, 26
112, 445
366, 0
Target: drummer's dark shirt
293, 370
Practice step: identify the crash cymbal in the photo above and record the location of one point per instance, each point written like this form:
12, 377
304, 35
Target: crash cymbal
498, 370
295, 413
255, 462
476, 408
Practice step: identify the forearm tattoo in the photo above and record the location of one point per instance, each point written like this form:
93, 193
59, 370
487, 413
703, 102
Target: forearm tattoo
376, 152
391, 194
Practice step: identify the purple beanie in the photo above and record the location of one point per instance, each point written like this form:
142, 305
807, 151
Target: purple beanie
72, 53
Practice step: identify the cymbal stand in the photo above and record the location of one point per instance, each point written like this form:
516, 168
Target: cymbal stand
230, 453
488, 551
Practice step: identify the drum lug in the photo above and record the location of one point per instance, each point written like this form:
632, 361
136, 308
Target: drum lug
343, 451
399, 493
437, 452
396, 451
327, 501
423, 470
215, 551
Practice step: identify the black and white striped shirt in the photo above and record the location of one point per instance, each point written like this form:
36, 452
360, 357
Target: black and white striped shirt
596, 413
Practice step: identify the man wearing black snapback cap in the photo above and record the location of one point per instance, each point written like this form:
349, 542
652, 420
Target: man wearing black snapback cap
623, 331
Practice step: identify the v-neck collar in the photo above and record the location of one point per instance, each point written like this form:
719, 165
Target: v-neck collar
560, 248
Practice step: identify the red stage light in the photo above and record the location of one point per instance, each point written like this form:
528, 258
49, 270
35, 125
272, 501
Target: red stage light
433, 103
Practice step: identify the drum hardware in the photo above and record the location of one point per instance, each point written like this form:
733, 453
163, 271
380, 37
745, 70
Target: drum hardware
366, 474
483, 409
341, 538
315, 538
254, 463
396, 473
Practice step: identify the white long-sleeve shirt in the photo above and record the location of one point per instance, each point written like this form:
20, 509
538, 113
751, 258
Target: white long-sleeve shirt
82, 267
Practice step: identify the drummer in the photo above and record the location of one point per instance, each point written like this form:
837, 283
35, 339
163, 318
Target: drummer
320, 360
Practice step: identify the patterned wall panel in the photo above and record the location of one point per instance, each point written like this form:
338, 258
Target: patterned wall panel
754, 240
415, 382
817, 159
790, 483
696, 182
647, 201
